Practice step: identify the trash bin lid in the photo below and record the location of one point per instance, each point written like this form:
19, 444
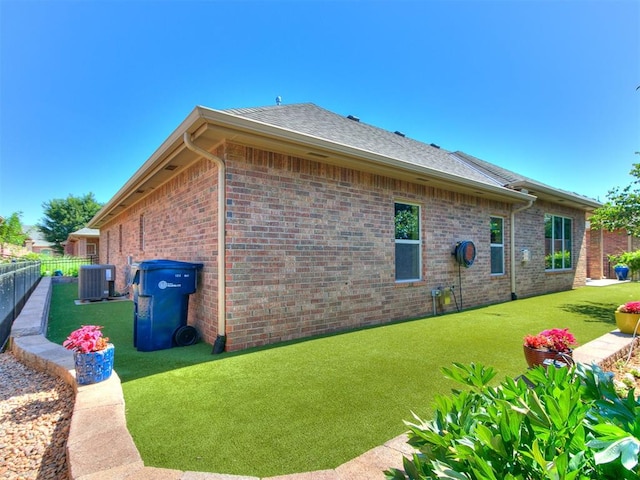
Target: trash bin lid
158, 264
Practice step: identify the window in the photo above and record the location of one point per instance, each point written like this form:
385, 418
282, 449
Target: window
557, 242
408, 242
497, 245
91, 249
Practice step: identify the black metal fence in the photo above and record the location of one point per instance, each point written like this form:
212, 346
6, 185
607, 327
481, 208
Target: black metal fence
18, 278
65, 266
17, 281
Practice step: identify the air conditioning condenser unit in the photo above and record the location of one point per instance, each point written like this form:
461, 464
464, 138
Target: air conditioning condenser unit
96, 282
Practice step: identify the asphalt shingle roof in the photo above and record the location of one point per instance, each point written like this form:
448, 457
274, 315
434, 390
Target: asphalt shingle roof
309, 119
32, 232
507, 177
312, 120
500, 174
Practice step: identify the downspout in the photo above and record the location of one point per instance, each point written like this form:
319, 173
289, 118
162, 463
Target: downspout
221, 338
514, 296
601, 262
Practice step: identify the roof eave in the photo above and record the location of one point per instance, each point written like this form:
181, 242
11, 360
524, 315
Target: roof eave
158, 160
544, 192
219, 126
417, 173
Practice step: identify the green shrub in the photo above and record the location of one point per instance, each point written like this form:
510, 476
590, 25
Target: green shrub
569, 424
558, 260
631, 260
68, 265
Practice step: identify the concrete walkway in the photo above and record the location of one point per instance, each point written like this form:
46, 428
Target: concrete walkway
100, 447
603, 282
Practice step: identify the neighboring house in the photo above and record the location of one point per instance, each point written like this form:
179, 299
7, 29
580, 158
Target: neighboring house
83, 243
35, 241
602, 244
308, 222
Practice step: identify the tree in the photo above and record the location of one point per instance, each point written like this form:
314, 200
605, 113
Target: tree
622, 209
11, 231
66, 215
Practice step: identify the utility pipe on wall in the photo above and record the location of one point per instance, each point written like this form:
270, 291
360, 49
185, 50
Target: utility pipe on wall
601, 262
218, 346
514, 296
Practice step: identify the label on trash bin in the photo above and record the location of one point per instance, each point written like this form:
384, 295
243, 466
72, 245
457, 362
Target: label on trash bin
164, 284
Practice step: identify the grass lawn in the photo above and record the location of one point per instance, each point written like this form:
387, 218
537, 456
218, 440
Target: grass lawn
314, 404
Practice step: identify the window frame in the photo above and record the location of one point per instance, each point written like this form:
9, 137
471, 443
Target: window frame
566, 242
416, 242
496, 245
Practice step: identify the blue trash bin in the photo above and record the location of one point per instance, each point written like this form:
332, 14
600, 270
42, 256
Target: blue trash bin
161, 301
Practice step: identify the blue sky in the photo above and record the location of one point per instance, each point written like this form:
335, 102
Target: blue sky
89, 89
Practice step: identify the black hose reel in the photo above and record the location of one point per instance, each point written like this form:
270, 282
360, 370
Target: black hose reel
465, 253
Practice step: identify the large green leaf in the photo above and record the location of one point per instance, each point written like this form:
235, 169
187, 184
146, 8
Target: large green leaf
626, 448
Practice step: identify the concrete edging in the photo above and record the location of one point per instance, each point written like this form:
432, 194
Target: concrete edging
98, 437
100, 446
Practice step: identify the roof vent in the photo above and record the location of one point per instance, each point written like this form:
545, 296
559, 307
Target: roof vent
171, 167
398, 132
278, 100
320, 155
351, 117
434, 145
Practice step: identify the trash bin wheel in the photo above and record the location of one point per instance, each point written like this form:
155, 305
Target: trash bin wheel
185, 336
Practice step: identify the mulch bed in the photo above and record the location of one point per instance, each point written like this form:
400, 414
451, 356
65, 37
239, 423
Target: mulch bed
35, 415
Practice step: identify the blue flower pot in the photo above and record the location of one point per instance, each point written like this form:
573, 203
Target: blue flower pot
94, 367
621, 272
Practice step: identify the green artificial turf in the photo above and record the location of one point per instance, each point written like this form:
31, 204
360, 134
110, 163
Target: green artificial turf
315, 404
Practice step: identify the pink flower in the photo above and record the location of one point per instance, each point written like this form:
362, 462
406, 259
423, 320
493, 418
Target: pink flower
555, 339
538, 342
629, 307
86, 339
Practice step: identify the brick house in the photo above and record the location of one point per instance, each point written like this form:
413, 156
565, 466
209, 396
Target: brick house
35, 241
327, 223
601, 244
82, 243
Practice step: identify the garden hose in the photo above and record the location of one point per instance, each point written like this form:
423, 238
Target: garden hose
635, 330
465, 254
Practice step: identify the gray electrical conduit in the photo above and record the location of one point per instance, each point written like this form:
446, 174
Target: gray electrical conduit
219, 345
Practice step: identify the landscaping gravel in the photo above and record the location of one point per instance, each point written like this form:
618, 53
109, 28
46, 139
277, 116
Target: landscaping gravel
35, 414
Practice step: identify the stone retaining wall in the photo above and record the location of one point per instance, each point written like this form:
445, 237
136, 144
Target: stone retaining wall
99, 443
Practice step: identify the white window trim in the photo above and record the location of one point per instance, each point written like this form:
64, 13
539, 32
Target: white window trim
501, 245
553, 238
411, 242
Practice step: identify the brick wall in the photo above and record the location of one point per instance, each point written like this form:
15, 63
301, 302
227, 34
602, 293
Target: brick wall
178, 221
601, 245
315, 245
310, 246
532, 279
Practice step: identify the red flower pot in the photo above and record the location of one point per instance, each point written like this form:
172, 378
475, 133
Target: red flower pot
537, 357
